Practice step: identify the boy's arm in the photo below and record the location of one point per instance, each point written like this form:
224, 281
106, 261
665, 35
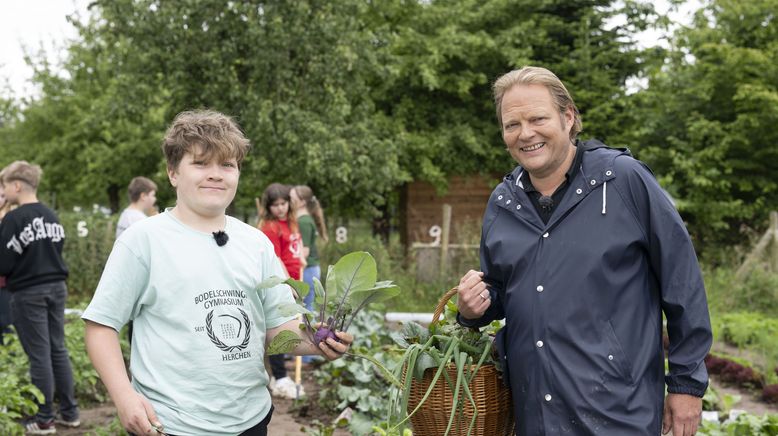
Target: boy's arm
135, 412
10, 248
331, 349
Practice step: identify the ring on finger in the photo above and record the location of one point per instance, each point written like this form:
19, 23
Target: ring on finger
484, 297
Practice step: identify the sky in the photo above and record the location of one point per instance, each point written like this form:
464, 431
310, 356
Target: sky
31, 24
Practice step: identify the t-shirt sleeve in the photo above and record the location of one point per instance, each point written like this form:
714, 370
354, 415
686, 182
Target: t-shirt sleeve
124, 280
275, 296
308, 233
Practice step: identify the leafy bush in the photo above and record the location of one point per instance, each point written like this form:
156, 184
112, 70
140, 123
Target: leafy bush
17, 394
744, 424
356, 383
757, 333
757, 292
86, 256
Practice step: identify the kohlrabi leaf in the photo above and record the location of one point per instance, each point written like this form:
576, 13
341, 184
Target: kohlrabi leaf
318, 289
399, 339
415, 333
424, 362
270, 282
354, 271
381, 292
289, 309
284, 342
302, 288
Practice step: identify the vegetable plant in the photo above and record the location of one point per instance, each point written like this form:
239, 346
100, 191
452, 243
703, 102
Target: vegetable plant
441, 347
351, 285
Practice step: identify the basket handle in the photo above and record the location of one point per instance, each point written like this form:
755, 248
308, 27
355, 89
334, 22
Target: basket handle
442, 304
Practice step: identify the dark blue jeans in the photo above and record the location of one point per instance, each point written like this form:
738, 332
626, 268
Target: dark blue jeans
39, 318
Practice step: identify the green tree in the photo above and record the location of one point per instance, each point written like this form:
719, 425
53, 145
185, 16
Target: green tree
708, 120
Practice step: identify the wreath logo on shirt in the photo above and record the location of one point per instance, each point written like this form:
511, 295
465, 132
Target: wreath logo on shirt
228, 327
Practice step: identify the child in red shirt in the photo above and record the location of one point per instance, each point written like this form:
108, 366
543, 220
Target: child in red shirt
279, 222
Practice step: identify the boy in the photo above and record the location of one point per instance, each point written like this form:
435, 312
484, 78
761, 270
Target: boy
188, 278
31, 241
143, 195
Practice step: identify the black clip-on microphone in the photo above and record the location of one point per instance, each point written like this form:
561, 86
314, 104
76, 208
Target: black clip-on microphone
546, 202
221, 238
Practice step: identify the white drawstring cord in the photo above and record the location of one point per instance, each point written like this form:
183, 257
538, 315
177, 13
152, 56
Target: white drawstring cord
604, 197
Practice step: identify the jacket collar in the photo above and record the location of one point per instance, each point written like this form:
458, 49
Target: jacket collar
597, 167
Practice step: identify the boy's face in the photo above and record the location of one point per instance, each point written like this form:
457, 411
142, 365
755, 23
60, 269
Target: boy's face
10, 190
148, 199
205, 188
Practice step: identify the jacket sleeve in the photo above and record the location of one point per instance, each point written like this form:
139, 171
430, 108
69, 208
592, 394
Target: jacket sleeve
494, 283
682, 291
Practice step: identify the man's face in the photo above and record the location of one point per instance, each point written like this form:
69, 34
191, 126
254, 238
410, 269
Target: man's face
205, 188
536, 134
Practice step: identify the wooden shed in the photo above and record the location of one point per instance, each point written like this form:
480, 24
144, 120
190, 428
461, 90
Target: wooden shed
421, 208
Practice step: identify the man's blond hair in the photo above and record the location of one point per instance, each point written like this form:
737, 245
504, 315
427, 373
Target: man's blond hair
22, 171
210, 134
537, 76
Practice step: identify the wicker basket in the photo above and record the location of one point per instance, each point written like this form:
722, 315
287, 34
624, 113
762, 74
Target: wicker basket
492, 400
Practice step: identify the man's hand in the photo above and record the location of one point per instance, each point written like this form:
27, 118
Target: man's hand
473, 297
682, 414
137, 415
333, 349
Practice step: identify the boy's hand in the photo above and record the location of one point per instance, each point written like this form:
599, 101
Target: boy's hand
137, 415
332, 349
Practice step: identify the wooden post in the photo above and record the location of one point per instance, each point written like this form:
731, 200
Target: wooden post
769, 238
444, 240
774, 251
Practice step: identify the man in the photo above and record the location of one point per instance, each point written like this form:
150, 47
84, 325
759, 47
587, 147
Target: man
581, 253
188, 278
31, 242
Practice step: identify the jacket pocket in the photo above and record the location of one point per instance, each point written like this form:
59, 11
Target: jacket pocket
616, 356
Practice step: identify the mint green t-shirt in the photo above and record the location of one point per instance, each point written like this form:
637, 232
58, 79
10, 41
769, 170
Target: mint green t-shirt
198, 323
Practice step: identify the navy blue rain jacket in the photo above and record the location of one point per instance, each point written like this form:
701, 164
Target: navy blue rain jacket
583, 296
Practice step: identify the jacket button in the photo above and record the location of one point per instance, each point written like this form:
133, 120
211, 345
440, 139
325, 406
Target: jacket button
539, 344
545, 235
508, 202
518, 207
539, 288
499, 197
610, 356
579, 191
608, 173
593, 182
548, 397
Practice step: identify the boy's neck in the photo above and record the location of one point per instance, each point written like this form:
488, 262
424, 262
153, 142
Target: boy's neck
199, 222
26, 198
302, 211
137, 206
